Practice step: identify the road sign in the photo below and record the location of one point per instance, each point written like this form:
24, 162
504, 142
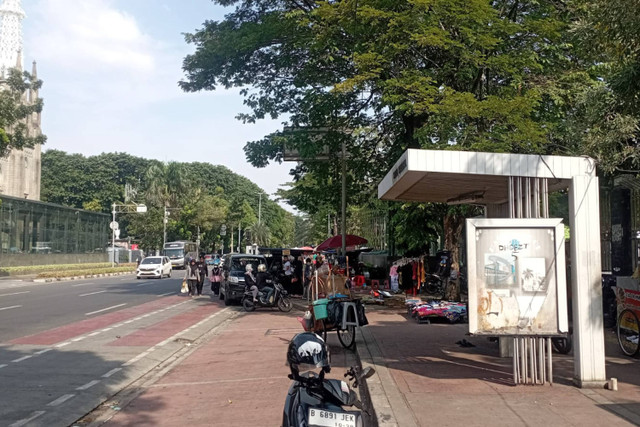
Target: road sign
113, 225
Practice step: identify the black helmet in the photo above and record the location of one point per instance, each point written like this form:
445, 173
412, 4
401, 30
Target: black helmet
307, 351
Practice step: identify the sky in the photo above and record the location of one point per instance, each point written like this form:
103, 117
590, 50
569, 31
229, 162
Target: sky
111, 70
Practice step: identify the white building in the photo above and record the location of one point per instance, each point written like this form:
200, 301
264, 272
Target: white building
20, 170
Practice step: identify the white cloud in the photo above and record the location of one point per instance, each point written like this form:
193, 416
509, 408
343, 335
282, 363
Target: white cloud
89, 34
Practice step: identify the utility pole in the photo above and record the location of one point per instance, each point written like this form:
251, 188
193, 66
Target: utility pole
239, 230
164, 230
113, 237
344, 198
260, 210
231, 247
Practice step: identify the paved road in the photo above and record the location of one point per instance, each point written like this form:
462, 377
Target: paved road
65, 347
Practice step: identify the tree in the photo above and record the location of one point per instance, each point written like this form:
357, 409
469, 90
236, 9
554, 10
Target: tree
386, 76
166, 183
260, 234
14, 112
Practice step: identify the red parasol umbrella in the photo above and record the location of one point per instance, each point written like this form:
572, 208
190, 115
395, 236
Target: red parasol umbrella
336, 242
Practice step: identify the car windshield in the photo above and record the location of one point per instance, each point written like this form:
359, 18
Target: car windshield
154, 260
240, 263
175, 253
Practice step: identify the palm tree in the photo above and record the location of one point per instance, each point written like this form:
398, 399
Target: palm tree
260, 234
166, 183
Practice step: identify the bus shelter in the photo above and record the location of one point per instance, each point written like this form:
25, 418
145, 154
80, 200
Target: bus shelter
517, 186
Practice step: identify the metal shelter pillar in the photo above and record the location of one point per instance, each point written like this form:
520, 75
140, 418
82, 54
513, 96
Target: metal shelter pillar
586, 288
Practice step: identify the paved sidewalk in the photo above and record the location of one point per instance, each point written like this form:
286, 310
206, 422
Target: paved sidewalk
426, 379
238, 377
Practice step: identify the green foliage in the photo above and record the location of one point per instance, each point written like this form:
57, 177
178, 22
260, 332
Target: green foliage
211, 196
85, 272
14, 112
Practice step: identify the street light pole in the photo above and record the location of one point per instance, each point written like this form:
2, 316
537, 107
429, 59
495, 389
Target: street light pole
260, 209
113, 238
164, 230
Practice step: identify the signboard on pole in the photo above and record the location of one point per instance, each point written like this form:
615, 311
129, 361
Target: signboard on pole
517, 282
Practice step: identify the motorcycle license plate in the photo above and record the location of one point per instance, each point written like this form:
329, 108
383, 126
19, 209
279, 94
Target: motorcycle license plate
320, 417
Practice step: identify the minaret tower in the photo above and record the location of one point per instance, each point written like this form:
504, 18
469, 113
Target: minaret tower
20, 170
11, 16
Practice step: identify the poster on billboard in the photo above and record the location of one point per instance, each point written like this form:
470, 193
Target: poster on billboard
517, 282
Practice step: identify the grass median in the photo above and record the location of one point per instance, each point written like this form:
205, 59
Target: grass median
66, 270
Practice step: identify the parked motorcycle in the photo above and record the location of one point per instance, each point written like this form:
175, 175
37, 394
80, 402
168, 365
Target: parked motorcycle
279, 298
314, 400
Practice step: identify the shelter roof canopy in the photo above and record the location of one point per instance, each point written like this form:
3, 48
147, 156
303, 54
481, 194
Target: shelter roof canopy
473, 177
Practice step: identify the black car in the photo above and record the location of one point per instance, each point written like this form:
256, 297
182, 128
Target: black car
233, 269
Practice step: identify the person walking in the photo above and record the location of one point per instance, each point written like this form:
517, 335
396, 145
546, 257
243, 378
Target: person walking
192, 275
215, 277
202, 273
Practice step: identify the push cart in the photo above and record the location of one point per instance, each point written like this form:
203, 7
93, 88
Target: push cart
339, 312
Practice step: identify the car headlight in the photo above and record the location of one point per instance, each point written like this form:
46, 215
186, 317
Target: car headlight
233, 279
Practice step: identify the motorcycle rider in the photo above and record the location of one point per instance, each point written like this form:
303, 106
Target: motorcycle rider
264, 283
250, 281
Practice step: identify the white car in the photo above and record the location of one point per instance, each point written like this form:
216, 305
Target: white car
154, 266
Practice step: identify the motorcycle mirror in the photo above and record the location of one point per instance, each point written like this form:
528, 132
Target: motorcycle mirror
367, 373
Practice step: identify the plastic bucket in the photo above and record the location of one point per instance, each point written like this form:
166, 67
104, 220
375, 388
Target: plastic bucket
320, 308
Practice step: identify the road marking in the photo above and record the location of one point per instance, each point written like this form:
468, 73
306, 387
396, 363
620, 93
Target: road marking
63, 344
9, 308
105, 309
82, 284
3, 366
144, 283
15, 293
43, 351
60, 400
78, 339
33, 416
111, 372
93, 334
88, 385
168, 293
22, 358
92, 293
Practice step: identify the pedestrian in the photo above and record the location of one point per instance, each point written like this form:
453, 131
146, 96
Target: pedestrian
308, 274
202, 273
215, 277
288, 274
298, 273
138, 260
192, 276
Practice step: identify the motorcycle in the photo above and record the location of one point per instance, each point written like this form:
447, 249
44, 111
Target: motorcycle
279, 298
317, 401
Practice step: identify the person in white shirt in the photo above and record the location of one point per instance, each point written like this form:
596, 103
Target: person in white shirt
288, 274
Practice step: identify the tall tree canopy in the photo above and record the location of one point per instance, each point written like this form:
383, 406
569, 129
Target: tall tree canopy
14, 111
199, 196
385, 75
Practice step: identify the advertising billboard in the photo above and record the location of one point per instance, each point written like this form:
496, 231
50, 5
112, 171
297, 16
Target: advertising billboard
517, 282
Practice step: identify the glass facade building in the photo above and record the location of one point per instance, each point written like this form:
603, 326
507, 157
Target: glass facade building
38, 228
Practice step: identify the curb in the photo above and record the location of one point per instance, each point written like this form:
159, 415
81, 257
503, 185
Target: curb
391, 408
87, 276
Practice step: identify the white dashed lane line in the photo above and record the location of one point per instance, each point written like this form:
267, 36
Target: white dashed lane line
82, 284
14, 293
88, 385
92, 293
9, 308
105, 309
111, 372
25, 421
60, 400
